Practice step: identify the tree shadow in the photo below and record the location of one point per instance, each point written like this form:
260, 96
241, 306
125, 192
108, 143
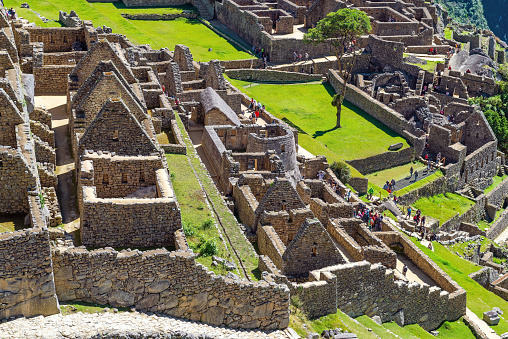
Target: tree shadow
321, 133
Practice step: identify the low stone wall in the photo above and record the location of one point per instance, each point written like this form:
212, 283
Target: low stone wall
498, 195
382, 161
26, 274
245, 63
499, 226
181, 288
267, 75
167, 16
52, 78
437, 186
472, 229
360, 185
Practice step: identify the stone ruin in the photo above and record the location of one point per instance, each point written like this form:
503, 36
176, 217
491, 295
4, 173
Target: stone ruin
120, 96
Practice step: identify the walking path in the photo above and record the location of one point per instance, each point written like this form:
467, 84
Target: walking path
66, 189
411, 179
123, 325
489, 332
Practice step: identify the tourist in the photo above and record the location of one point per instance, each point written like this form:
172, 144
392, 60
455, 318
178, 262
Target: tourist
416, 176
321, 175
404, 270
393, 183
422, 221
306, 56
468, 71
312, 69
409, 212
371, 192
295, 56
411, 172
430, 246
300, 57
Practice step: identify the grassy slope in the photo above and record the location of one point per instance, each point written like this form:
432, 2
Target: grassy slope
495, 182
461, 247
308, 106
443, 206
397, 173
157, 34
479, 299
231, 227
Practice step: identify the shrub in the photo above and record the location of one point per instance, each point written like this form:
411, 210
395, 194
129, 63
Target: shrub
208, 248
207, 224
341, 171
188, 231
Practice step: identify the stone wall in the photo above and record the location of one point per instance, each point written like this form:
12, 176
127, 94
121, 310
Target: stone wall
472, 215
52, 78
181, 288
437, 186
16, 179
499, 226
26, 274
267, 75
382, 161
498, 195
164, 17
57, 39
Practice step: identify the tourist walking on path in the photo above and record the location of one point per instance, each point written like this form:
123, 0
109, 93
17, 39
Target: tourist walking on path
416, 176
409, 212
404, 270
411, 172
371, 192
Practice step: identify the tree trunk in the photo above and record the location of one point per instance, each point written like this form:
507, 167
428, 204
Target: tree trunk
339, 108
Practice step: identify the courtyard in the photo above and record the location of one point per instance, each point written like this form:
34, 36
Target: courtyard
307, 106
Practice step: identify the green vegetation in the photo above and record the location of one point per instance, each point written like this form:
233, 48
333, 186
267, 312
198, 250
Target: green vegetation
430, 66
419, 183
466, 11
399, 172
228, 224
83, 307
157, 34
341, 171
11, 222
443, 206
448, 33
479, 299
308, 107
495, 182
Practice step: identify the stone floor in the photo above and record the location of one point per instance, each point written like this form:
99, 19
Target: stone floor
411, 180
123, 325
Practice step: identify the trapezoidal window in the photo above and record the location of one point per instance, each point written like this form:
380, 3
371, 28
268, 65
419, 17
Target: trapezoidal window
283, 148
142, 177
1, 163
115, 135
105, 179
314, 250
124, 178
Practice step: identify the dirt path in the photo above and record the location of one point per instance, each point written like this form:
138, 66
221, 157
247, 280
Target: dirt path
413, 272
66, 190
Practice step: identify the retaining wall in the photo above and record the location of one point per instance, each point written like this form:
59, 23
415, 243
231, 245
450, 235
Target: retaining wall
382, 161
267, 75
181, 288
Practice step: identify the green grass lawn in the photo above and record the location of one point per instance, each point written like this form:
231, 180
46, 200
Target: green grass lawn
308, 107
430, 66
448, 33
83, 307
11, 222
397, 173
496, 180
443, 206
157, 34
479, 299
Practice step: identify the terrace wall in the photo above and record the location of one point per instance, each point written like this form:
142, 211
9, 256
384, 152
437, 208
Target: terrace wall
181, 288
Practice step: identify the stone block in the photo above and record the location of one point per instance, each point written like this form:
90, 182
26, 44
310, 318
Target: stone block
121, 298
491, 318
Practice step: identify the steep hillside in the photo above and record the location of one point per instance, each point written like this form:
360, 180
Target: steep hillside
496, 13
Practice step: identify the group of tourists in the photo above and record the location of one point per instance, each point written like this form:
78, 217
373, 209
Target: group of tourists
11, 13
258, 108
299, 57
373, 219
389, 185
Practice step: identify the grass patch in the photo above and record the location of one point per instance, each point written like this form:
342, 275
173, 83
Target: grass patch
479, 299
462, 247
408, 332
157, 34
83, 307
443, 206
11, 222
448, 33
419, 183
484, 225
230, 225
397, 173
308, 106
430, 66
331, 321
496, 180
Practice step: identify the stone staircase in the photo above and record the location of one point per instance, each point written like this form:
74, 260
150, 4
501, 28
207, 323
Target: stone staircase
502, 170
419, 82
392, 207
206, 12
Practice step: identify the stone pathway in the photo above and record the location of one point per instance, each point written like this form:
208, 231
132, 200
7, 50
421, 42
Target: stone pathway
123, 325
411, 180
489, 332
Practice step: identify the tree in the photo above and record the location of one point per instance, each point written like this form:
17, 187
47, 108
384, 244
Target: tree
340, 30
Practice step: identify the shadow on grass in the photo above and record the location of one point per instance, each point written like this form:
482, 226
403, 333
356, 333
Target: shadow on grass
321, 133
331, 91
